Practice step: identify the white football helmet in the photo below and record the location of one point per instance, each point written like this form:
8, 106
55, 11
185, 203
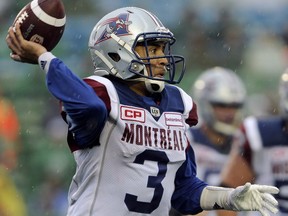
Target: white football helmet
283, 94
223, 87
112, 47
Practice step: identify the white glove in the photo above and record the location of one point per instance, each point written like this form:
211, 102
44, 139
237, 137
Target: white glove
254, 198
243, 198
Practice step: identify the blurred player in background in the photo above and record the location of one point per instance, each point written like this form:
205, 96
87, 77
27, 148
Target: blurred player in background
220, 94
261, 151
11, 201
127, 128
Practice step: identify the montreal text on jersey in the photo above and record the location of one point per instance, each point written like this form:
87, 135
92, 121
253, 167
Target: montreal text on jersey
140, 134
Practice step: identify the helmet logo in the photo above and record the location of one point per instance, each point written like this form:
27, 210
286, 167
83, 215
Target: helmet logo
117, 25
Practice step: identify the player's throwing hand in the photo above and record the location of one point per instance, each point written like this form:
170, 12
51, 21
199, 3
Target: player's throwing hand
23, 50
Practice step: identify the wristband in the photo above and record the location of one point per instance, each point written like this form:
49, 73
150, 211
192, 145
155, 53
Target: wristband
44, 61
213, 198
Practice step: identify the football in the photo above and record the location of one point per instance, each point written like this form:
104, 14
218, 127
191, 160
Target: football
43, 22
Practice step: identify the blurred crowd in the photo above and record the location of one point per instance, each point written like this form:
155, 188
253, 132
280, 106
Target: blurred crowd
249, 37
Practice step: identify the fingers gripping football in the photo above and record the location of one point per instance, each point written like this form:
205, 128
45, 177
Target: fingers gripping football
23, 50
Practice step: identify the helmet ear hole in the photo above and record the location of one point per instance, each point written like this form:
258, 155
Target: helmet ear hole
114, 56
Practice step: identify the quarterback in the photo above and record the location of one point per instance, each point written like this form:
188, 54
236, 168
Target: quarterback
127, 124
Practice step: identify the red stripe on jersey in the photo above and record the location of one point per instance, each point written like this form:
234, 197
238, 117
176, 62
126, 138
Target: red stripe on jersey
246, 151
101, 91
192, 120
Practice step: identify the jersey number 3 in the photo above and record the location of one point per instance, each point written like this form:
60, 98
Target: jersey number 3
153, 182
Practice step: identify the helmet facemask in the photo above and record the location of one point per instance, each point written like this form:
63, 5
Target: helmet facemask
219, 87
226, 128
151, 82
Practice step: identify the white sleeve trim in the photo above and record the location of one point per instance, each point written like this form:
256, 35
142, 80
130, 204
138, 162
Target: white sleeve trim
44, 61
187, 100
253, 134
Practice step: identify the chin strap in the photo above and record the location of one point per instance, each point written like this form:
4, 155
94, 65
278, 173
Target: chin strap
154, 86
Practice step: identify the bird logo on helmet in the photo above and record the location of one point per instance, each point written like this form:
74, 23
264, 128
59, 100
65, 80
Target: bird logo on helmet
117, 25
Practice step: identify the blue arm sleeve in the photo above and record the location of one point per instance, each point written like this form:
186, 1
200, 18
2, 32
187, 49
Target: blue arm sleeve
86, 112
188, 188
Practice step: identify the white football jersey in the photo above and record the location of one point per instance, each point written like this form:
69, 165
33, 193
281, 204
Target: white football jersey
132, 171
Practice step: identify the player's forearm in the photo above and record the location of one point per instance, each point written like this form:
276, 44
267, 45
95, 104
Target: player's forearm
80, 101
68, 87
62, 83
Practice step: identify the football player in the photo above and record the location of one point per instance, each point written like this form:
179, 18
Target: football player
220, 93
127, 124
261, 151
